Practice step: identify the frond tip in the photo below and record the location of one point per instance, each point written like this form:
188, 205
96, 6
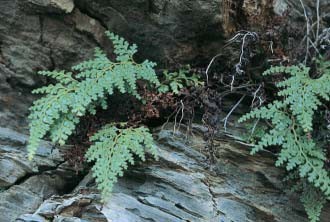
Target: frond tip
113, 149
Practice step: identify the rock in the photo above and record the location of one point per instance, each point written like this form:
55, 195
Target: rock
181, 187
14, 161
167, 32
30, 218
90, 26
56, 34
26, 184
170, 33
69, 208
31, 41
59, 6
280, 7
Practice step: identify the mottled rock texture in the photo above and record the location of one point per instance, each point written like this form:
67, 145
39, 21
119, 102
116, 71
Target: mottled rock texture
55, 34
181, 187
25, 184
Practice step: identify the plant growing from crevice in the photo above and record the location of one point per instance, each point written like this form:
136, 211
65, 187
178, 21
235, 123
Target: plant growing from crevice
81, 92
176, 81
291, 128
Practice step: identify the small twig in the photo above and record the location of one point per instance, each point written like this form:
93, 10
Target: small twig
271, 46
208, 68
175, 118
255, 95
254, 127
318, 20
313, 46
241, 36
232, 83
182, 114
230, 112
168, 119
307, 31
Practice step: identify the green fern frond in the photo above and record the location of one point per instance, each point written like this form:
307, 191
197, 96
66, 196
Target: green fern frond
313, 201
302, 93
175, 81
58, 112
291, 120
113, 149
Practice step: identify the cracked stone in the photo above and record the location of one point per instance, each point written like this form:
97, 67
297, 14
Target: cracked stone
168, 191
25, 184
59, 6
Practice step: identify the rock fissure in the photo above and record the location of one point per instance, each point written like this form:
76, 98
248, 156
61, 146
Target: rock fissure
44, 170
216, 211
41, 40
39, 35
143, 201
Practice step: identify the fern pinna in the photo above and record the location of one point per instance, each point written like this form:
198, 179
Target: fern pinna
113, 148
80, 92
291, 122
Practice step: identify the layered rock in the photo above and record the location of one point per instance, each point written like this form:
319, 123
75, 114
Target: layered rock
181, 187
25, 184
55, 34
50, 6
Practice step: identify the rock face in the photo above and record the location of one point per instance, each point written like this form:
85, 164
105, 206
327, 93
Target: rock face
52, 34
181, 187
25, 184
55, 34
59, 6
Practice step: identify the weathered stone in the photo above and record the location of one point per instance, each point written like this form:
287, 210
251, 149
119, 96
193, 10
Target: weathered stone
166, 32
280, 7
30, 218
25, 184
181, 187
90, 26
59, 6
48, 208
14, 162
56, 34
29, 42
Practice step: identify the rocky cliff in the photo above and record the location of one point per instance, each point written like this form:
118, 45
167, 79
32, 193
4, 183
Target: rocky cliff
55, 34
181, 187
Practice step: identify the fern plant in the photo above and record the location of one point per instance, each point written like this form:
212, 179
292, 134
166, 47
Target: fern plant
291, 120
113, 149
80, 92
175, 81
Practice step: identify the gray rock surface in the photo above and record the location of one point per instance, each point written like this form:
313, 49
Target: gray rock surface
169, 32
181, 187
26, 184
60, 6
55, 34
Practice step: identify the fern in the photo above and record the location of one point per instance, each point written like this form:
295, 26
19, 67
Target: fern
292, 123
313, 201
58, 112
113, 149
175, 81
